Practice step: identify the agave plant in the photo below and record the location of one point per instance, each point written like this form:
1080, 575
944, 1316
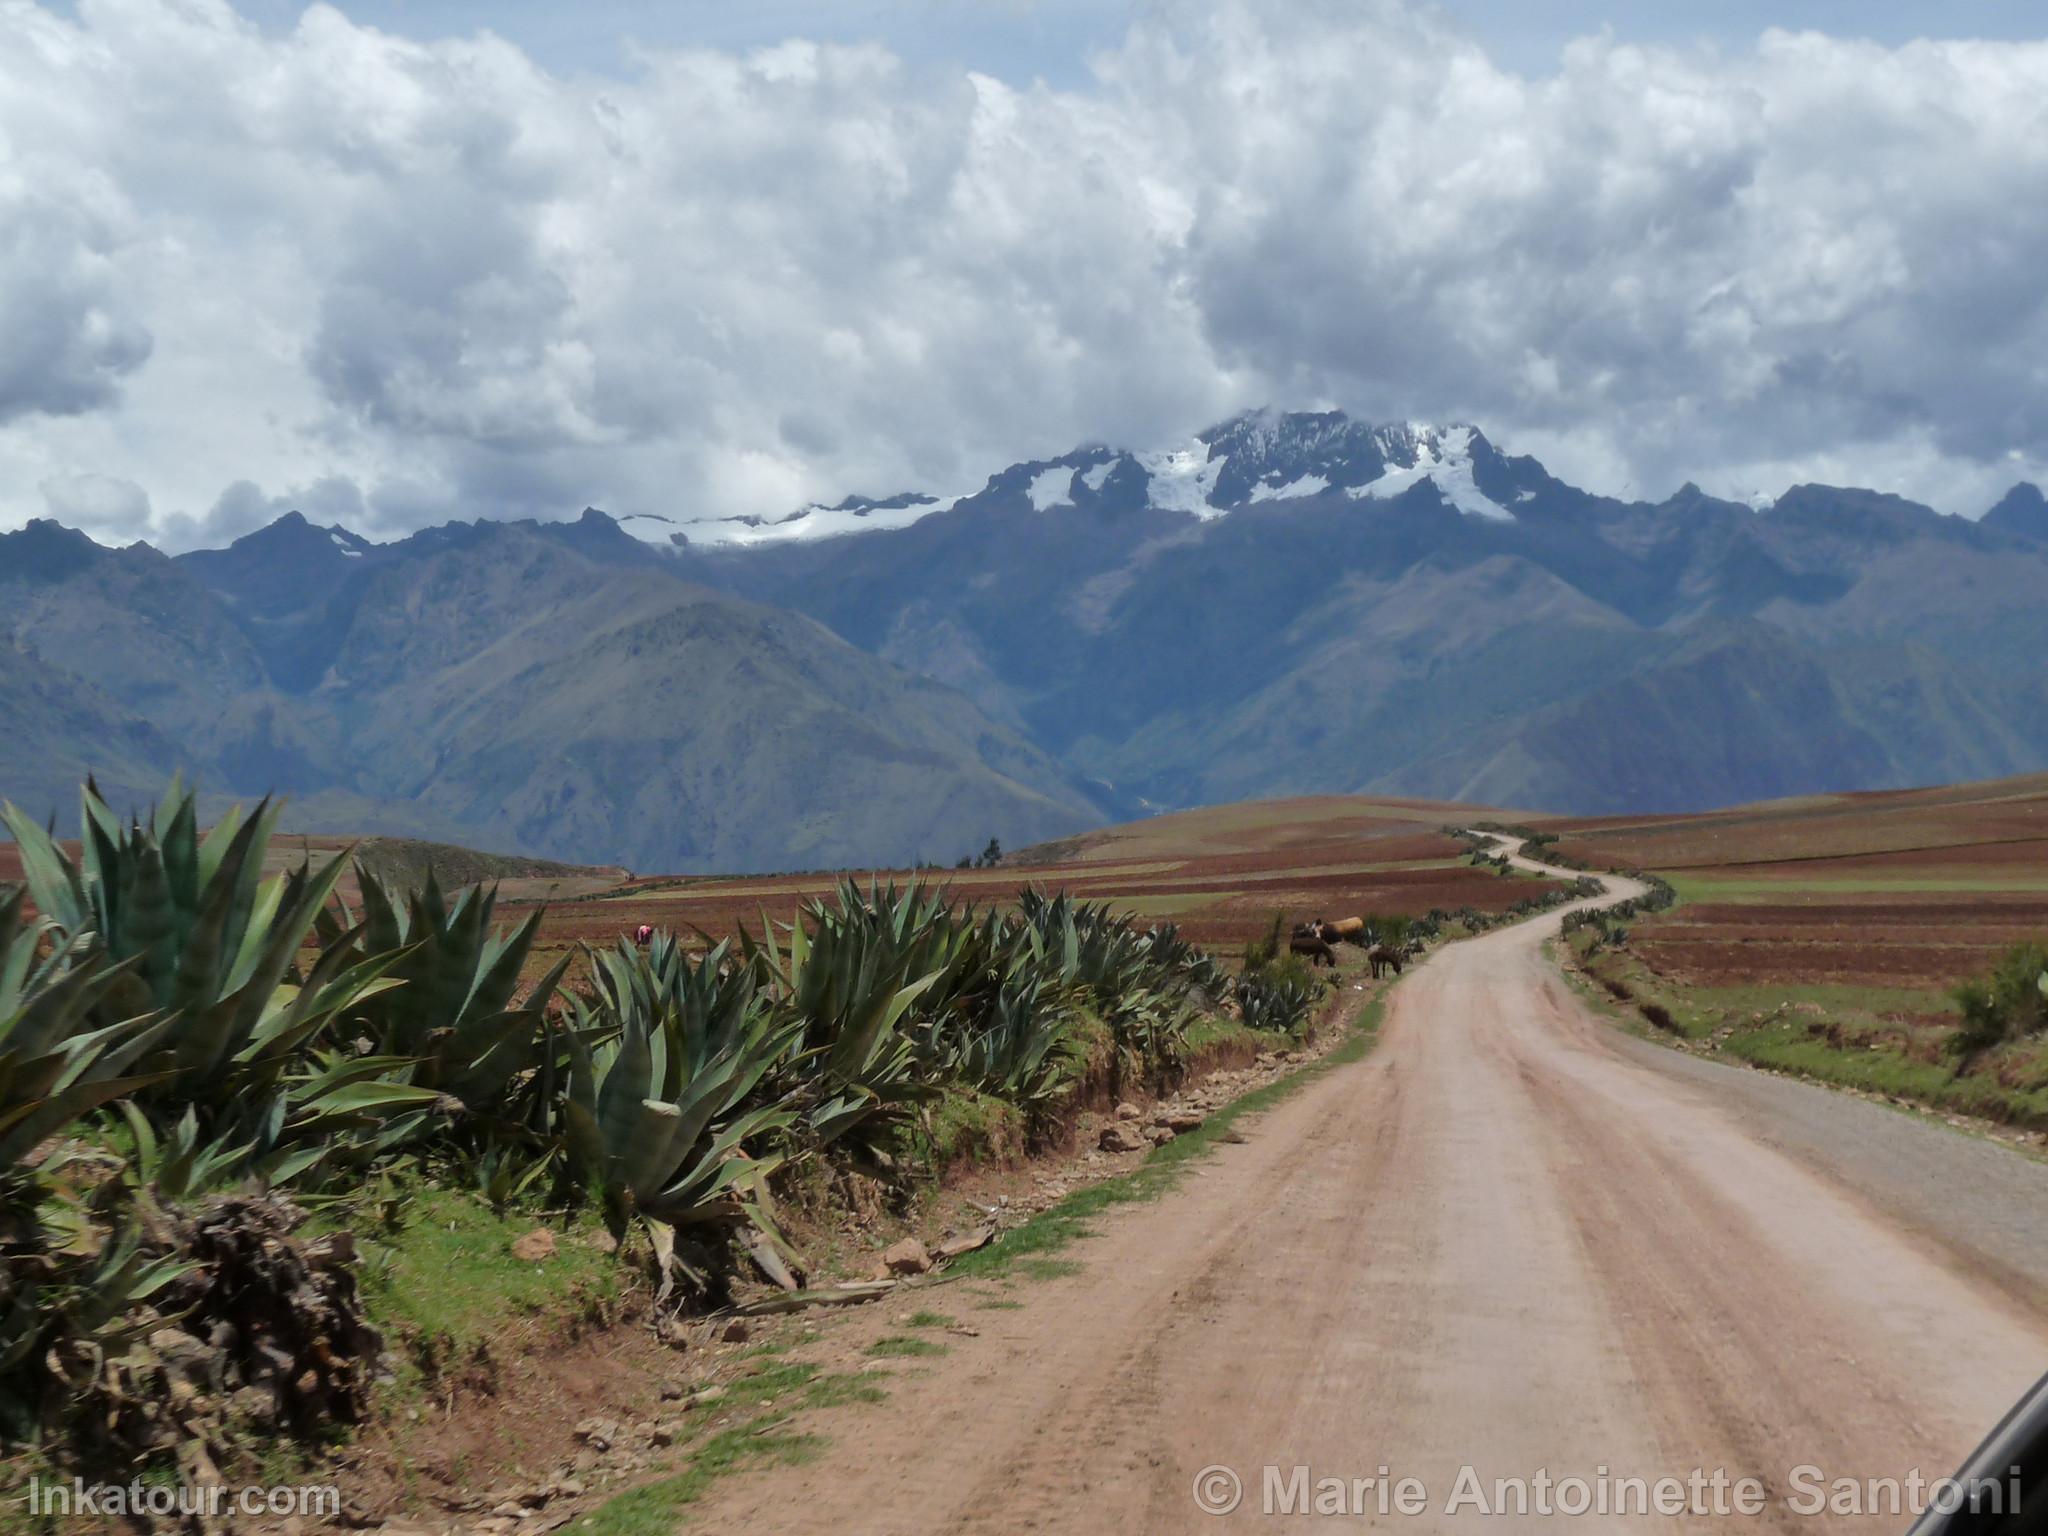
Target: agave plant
181, 1164
1177, 957
187, 927
711, 1000
56, 1064
662, 1067
503, 1173
60, 1312
198, 932
1280, 1004
454, 1015
850, 977
323, 1124
1143, 1000
333, 1117
1016, 1055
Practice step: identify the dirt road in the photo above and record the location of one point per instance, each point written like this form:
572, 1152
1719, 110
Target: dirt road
1510, 1240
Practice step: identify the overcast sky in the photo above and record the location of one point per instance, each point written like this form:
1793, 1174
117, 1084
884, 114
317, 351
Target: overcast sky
387, 266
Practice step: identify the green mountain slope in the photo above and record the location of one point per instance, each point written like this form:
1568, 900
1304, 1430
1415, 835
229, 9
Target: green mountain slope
569, 709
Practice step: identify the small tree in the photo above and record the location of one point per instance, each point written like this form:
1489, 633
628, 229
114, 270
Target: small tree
992, 855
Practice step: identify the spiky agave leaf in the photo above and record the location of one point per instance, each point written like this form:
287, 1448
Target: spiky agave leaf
56, 1064
182, 1164
869, 976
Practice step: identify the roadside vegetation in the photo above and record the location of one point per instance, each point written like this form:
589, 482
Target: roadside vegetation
244, 1128
1480, 854
1981, 1049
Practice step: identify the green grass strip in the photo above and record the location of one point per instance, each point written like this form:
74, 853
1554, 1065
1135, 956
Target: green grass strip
903, 1346
759, 1439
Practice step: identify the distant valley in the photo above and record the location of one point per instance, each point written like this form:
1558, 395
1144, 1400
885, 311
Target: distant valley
1287, 604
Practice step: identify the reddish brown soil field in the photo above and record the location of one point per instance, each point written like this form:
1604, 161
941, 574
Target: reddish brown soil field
1912, 889
1711, 945
1994, 823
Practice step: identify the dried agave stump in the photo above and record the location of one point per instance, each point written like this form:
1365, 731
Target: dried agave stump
261, 1336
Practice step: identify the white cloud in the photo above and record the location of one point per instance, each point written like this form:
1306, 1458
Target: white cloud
70, 337
734, 283
114, 508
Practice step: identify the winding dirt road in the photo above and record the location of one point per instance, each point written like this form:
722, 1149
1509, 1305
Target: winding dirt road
1511, 1239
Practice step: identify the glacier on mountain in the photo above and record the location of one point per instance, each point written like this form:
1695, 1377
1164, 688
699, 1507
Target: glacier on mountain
1262, 456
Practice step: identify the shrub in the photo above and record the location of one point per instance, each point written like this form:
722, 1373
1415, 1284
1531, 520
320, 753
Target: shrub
1660, 1016
2009, 1004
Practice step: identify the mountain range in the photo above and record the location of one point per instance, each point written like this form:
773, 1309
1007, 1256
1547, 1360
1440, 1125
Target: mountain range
1286, 603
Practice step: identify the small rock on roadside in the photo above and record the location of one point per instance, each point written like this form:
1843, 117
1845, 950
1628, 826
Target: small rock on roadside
1121, 1138
598, 1434
908, 1257
737, 1331
534, 1247
1129, 1111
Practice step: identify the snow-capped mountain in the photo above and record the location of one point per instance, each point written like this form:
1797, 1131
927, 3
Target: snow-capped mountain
1275, 456
1257, 457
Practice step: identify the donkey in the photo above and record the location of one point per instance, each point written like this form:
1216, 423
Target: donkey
1314, 945
1380, 956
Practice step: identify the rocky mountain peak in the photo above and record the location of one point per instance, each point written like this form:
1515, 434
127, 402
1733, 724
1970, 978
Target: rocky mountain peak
2022, 510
